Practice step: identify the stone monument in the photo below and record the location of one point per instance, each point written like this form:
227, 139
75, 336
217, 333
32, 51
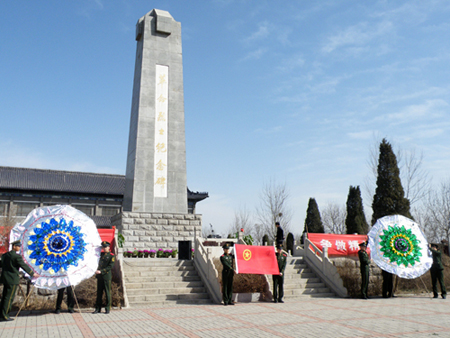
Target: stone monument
155, 200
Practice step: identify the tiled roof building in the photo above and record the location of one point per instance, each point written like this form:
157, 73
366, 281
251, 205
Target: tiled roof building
98, 195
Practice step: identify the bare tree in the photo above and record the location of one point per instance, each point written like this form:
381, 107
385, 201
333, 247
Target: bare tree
273, 208
415, 179
333, 218
258, 233
436, 220
242, 220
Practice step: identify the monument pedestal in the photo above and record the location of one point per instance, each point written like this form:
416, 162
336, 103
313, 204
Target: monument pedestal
153, 231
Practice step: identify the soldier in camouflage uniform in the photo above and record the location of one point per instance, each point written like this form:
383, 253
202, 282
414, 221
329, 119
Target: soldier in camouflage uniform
227, 275
104, 277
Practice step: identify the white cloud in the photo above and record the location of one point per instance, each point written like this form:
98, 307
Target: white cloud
362, 135
262, 32
357, 36
290, 63
254, 55
429, 109
272, 130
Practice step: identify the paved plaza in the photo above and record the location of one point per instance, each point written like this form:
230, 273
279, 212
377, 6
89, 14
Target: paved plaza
406, 316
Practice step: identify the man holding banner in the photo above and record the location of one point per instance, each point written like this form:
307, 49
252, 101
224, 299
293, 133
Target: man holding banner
227, 275
278, 280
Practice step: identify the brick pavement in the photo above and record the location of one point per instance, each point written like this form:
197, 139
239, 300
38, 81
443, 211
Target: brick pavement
406, 316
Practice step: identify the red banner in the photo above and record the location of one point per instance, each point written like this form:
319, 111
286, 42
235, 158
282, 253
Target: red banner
338, 245
4, 239
253, 259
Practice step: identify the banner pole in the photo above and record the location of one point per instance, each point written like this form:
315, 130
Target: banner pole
26, 300
74, 296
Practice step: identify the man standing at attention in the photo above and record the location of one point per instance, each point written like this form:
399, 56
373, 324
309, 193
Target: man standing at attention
280, 234
437, 271
364, 262
278, 280
10, 264
227, 275
104, 276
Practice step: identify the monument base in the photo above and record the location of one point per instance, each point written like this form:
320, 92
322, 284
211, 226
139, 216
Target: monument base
153, 231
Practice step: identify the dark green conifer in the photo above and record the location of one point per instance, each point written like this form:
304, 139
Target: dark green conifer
389, 198
313, 221
356, 220
290, 243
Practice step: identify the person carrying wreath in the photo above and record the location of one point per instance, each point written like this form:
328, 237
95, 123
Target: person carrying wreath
10, 264
437, 271
70, 299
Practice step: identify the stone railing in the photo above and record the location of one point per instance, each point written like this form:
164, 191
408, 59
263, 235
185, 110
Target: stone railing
203, 261
118, 269
319, 262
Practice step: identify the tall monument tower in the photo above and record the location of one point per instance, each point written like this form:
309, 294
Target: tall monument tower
156, 162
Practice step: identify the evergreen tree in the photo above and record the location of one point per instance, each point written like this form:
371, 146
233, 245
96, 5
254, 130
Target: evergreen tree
389, 195
265, 240
313, 222
356, 220
290, 243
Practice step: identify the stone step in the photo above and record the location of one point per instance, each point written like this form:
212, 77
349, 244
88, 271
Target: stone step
173, 291
295, 292
131, 269
300, 275
293, 271
156, 262
296, 266
312, 295
162, 298
295, 261
298, 285
164, 285
136, 274
170, 303
162, 279
289, 279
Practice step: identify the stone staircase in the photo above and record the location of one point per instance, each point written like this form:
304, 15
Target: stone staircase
162, 281
301, 282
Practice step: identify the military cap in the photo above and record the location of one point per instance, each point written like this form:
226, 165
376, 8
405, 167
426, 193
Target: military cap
105, 244
225, 246
363, 244
279, 246
16, 243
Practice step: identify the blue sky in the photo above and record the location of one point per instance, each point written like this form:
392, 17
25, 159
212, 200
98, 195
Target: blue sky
293, 91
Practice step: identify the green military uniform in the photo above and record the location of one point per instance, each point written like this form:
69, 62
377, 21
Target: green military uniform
278, 280
104, 279
437, 273
227, 277
388, 285
364, 262
10, 264
70, 299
